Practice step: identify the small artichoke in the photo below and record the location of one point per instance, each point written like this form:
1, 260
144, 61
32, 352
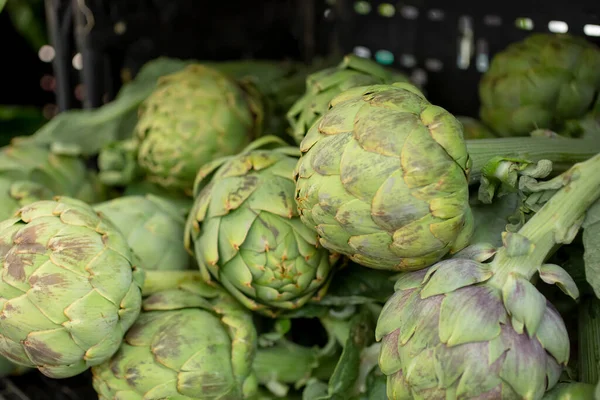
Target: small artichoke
324, 85
383, 179
246, 233
194, 116
153, 227
68, 290
540, 83
62, 175
195, 342
16, 194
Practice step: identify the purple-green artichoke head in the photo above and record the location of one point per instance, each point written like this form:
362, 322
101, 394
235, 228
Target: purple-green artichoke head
324, 85
246, 232
463, 329
383, 179
540, 83
68, 292
153, 227
194, 116
195, 342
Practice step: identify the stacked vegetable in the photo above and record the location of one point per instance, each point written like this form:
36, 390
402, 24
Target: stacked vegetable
264, 230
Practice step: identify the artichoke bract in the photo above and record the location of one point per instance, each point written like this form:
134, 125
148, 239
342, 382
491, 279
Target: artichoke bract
68, 289
153, 228
195, 342
383, 179
246, 233
539, 83
194, 116
471, 329
324, 85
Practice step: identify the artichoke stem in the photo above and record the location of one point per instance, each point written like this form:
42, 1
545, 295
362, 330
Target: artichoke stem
558, 151
157, 281
589, 340
556, 222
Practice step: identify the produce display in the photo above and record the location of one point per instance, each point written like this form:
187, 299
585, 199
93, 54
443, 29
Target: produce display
261, 230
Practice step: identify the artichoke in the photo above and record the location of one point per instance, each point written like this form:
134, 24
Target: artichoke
324, 85
469, 329
540, 82
384, 179
194, 116
68, 290
16, 194
62, 175
153, 227
245, 231
195, 342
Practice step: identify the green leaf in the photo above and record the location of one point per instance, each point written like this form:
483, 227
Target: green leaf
2, 4
591, 243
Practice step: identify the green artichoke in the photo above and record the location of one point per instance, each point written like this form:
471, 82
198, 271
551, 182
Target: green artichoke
571, 391
153, 227
539, 83
194, 116
62, 175
68, 290
474, 129
324, 85
384, 179
474, 330
195, 342
245, 231
16, 194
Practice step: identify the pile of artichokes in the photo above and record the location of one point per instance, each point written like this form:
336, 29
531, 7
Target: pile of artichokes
265, 230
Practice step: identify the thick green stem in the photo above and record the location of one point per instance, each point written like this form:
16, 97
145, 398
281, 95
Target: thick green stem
554, 222
157, 281
561, 150
589, 340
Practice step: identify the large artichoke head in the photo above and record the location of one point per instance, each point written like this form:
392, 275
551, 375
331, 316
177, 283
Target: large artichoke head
195, 342
540, 83
383, 179
194, 116
68, 292
246, 232
324, 85
457, 331
62, 175
153, 227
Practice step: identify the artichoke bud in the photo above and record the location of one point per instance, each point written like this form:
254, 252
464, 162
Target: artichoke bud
541, 82
383, 179
451, 331
246, 233
194, 342
193, 117
153, 227
68, 290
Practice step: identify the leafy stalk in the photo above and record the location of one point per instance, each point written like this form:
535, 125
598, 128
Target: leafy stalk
567, 151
